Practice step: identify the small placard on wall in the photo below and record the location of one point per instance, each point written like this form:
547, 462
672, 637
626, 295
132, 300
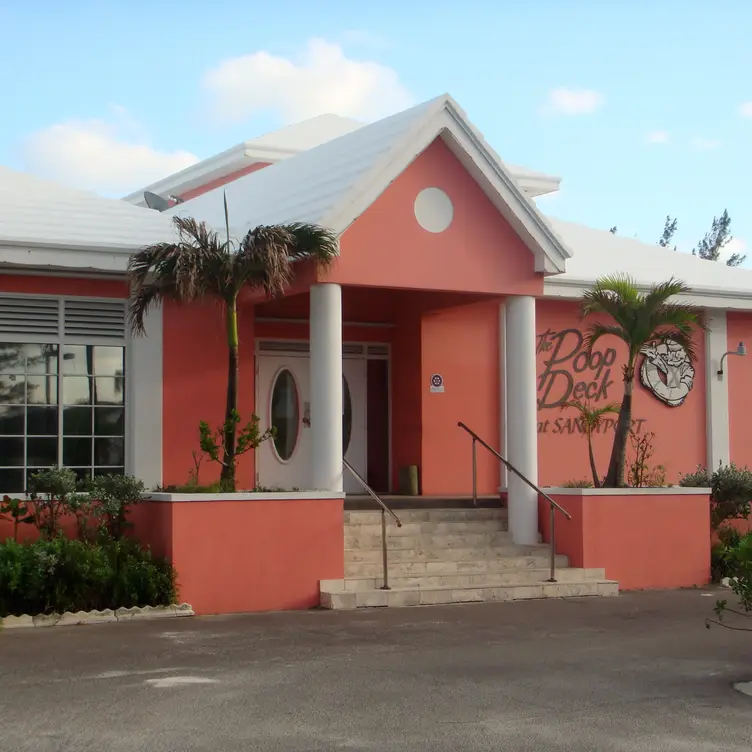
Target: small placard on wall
437, 384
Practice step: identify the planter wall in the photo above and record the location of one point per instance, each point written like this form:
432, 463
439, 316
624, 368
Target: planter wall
239, 553
645, 538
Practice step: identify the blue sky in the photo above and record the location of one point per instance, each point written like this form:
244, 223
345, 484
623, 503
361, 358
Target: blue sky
108, 95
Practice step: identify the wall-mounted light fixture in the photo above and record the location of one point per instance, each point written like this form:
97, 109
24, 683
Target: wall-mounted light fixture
740, 350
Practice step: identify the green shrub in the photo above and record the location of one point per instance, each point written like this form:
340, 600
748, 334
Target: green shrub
59, 575
584, 483
730, 491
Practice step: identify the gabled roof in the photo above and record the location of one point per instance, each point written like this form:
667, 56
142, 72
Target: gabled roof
598, 253
334, 183
269, 148
40, 214
287, 142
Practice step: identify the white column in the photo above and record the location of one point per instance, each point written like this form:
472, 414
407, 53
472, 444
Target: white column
326, 387
716, 390
522, 418
503, 439
143, 411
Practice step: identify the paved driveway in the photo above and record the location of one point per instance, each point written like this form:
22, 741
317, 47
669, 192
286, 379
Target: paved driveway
630, 674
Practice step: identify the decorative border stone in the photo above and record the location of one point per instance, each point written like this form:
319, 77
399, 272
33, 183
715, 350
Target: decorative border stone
69, 619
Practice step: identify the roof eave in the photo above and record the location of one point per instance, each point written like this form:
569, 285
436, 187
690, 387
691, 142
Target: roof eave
703, 297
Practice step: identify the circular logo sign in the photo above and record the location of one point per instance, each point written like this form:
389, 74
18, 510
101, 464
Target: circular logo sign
667, 372
437, 380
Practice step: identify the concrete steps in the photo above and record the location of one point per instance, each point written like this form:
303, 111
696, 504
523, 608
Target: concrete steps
449, 555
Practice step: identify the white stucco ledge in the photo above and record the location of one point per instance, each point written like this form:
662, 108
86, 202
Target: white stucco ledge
663, 491
70, 619
246, 496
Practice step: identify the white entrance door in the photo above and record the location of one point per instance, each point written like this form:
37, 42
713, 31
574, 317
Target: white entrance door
283, 399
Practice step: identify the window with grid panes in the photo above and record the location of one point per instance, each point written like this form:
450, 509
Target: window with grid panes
62, 401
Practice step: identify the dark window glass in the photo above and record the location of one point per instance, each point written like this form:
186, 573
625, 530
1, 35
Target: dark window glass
12, 389
77, 421
41, 359
41, 452
12, 481
285, 414
109, 391
78, 359
77, 390
108, 361
41, 390
12, 358
346, 415
41, 421
11, 452
108, 421
12, 421
77, 452
109, 451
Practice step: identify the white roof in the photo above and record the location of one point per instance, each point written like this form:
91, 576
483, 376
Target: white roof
287, 142
39, 214
334, 183
269, 148
597, 253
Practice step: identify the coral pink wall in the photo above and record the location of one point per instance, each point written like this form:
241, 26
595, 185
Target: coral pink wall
461, 344
70, 286
250, 555
644, 541
679, 441
479, 252
195, 385
738, 372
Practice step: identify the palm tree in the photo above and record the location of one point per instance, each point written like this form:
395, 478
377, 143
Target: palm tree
198, 264
591, 419
639, 320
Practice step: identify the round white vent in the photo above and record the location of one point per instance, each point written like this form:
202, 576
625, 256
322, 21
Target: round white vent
433, 210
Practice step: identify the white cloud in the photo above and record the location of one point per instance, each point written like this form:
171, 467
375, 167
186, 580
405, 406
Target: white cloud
657, 137
107, 156
705, 144
322, 80
564, 101
745, 110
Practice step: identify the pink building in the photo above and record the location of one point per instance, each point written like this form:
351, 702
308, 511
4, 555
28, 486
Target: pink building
454, 300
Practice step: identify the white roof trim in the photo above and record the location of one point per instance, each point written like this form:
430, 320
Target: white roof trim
701, 297
444, 118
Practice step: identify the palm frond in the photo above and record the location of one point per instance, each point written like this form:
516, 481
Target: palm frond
610, 294
662, 292
598, 329
267, 253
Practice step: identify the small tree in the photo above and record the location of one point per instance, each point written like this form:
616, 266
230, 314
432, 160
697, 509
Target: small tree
199, 264
591, 419
669, 230
716, 239
639, 320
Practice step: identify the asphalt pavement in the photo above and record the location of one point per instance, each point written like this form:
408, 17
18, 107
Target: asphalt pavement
636, 673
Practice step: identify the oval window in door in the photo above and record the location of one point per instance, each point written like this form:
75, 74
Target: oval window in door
285, 414
346, 415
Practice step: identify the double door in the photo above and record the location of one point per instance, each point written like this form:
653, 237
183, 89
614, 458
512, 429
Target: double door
283, 399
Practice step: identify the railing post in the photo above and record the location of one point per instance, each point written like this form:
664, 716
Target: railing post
553, 544
385, 586
475, 472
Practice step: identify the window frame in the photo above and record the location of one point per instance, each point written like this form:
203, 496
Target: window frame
62, 341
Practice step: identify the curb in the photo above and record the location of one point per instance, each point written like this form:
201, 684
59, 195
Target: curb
69, 619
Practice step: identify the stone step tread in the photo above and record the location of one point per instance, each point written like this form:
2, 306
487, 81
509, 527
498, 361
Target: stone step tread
462, 579
458, 527
428, 515
413, 568
443, 540
444, 553
399, 597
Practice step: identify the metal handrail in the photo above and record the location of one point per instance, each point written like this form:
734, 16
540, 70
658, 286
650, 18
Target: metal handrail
384, 511
553, 505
